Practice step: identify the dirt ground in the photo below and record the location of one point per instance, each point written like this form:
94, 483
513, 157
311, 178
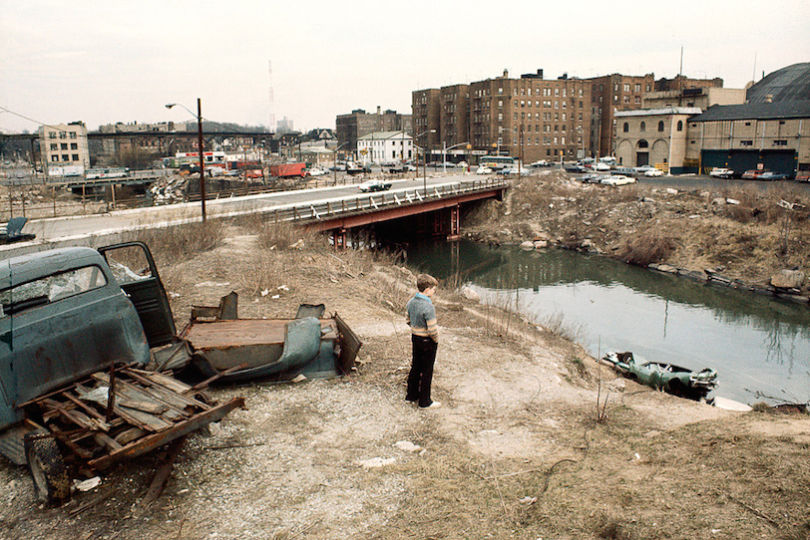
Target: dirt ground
739, 232
519, 449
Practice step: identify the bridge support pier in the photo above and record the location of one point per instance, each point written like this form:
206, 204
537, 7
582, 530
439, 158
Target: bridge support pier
339, 238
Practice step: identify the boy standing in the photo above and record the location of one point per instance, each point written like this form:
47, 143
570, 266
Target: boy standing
421, 317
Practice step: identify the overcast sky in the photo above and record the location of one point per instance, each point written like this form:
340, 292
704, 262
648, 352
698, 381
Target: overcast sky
106, 61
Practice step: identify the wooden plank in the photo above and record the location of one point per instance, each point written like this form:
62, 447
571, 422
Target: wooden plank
167, 395
161, 379
129, 435
105, 440
127, 391
173, 401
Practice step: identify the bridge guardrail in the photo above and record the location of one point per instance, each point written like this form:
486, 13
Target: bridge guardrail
320, 211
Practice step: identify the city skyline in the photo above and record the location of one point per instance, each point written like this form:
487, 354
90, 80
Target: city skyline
108, 63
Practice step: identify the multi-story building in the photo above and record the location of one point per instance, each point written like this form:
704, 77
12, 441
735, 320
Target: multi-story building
385, 147
654, 137
64, 145
426, 109
454, 115
352, 126
528, 117
611, 93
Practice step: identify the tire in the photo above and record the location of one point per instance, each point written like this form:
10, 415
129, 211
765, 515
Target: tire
48, 471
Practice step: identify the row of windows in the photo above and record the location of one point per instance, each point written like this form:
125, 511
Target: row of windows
643, 126
65, 157
64, 146
62, 134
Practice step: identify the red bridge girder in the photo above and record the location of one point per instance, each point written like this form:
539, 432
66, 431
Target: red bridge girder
387, 214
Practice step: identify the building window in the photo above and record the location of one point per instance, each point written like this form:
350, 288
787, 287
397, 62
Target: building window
556, 91
637, 100
62, 135
780, 142
637, 87
52, 135
72, 134
65, 157
626, 87
643, 126
648, 88
781, 122
54, 158
626, 127
748, 123
74, 146
627, 99
661, 126
746, 142
63, 146
75, 157
54, 146
680, 125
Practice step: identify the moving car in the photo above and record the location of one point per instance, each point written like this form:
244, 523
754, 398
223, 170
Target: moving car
721, 172
483, 170
401, 168
575, 168
374, 185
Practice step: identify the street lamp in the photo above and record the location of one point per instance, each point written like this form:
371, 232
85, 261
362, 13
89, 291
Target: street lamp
334, 161
199, 147
424, 161
445, 148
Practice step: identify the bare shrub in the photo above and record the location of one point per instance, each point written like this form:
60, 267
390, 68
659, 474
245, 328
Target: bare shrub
646, 248
556, 325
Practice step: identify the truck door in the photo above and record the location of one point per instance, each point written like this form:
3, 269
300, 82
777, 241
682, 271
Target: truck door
135, 270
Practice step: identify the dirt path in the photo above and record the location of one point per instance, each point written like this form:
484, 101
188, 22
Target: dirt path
515, 451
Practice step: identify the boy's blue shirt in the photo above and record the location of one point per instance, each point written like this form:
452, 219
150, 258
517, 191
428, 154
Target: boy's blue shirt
426, 297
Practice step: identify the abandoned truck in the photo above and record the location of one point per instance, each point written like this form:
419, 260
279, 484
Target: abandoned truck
73, 341
86, 338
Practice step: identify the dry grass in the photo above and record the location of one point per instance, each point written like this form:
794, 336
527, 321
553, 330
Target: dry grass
184, 241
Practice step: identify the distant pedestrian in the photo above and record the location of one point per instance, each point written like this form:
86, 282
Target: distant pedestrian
421, 317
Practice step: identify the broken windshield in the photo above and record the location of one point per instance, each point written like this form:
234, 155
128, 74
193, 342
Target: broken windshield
50, 289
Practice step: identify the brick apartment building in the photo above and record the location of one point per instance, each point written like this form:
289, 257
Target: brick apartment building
63, 145
609, 94
682, 82
426, 111
358, 123
528, 116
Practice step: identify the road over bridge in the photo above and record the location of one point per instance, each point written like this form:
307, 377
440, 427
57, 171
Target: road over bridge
336, 209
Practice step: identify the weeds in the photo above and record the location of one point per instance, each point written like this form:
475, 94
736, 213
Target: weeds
649, 247
556, 325
183, 241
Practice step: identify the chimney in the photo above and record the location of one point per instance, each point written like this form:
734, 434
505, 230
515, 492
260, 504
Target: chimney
769, 98
378, 109
539, 73
505, 73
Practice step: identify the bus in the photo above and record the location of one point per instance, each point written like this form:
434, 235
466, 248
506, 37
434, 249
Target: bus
498, 162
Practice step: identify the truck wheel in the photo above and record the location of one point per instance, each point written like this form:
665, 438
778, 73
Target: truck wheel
51, 481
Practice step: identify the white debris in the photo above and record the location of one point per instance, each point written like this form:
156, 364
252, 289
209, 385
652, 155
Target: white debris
265, 292
299, 378
376, 463
528, 500
636, 456
732, 201
276, 296
672, 191
282, 288
212, 284
470, 294
407, 446
87, 485
174, 294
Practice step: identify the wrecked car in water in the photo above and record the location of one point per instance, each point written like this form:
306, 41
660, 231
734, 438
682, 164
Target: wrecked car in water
73, 342
675, 380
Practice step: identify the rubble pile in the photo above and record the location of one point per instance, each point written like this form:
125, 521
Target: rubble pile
169, 190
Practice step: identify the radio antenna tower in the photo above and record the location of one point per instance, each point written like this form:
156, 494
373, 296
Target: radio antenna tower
271, 101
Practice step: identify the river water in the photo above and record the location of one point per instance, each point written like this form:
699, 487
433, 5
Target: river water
759, 346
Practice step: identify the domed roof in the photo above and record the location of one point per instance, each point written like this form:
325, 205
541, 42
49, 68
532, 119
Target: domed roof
790, 83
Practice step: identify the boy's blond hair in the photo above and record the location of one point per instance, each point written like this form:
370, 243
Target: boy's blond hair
424, 281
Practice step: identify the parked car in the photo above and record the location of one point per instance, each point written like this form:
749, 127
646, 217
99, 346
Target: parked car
803, 176
483, 170
575, 168
374, 185
653, 172
540, 163
626, 171
601, 167
592, 178
509, 171
401, 168
642, 169
752, 174
617, 180
721, 172
768, 175
315, 171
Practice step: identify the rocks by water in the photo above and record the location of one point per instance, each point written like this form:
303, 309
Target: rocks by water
788, 279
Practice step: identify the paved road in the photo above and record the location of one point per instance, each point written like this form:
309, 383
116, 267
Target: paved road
693, 181
67, 227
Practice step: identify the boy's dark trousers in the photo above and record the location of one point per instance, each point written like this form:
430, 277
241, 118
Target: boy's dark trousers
421, 375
